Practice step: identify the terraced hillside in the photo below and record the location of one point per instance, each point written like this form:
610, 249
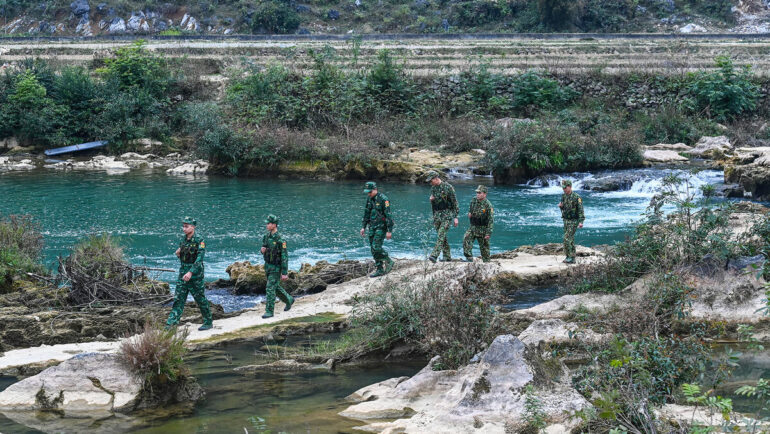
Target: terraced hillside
427, 57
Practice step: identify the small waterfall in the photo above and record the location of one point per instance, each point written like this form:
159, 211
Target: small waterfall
468, 172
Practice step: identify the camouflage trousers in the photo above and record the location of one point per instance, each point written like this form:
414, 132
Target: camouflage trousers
570, 227
476, 233
442, 244
274, 288
195, 287
379, 254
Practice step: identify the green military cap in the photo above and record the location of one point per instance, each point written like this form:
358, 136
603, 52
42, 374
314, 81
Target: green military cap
566, 183
432, 174
271, 218
481, 189
370, 186
190, 221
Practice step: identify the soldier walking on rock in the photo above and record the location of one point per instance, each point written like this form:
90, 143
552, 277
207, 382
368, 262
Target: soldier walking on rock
377, 218
572, 213
445, 209
190, 253
481, 215
276, 266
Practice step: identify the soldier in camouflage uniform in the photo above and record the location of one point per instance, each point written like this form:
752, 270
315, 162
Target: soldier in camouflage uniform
276, 266
445, 209
377, 217
572, 213
190, 252
481, 215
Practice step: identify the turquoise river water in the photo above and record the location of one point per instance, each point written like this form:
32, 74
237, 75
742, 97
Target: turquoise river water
319, 220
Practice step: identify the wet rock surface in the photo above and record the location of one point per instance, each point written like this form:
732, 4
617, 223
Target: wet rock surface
750, 168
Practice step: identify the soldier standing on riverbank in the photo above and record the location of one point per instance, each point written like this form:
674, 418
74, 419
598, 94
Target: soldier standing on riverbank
481, 215
276, 266
572, 213
445, 208
377, 218
190, 253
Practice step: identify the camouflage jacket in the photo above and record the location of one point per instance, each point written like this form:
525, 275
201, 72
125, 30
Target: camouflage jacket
276, 254
572, 207
482, 215
444, 203
377, 213
191, 252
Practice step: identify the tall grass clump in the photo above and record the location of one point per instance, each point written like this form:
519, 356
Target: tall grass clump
157, 354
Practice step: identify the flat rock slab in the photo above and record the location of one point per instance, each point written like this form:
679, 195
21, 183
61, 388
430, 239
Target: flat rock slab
85, 383
656, 156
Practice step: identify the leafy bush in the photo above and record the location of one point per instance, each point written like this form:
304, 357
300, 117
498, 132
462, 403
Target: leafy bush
275, 16
630, 377
135, 67
726, 93
213, 138
31, 114
670, 125
532, 90
607, 15
157, 355
387, 84
558, 14
20, 246
535, 147
451, 319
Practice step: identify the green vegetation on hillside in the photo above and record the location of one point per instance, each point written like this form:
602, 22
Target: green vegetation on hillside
415, 16
340, 112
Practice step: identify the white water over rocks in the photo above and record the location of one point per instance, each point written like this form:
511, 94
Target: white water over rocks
646, 182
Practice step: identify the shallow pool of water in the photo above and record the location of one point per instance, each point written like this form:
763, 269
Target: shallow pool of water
273, 402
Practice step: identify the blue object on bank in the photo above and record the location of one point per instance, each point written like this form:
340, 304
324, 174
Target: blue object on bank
75, 148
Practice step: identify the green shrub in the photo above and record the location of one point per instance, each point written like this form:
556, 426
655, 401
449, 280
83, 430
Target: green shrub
20, 246
670, 125
387, 84
629, 378
558, 14
535, 147
726, 93
532, 90
607, 15
275, 16
476, 13
214, 139
134, 67
31, 114
453, 320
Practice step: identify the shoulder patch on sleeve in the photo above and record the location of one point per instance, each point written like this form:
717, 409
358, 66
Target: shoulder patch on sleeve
284, 244
580, 200
387, 203
203, 244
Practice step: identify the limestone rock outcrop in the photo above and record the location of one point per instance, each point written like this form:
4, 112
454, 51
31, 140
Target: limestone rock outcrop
487, 396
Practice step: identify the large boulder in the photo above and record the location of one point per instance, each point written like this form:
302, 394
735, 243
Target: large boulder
487, 396
247, 278
750, 168
712, 147
199, 167
661, 156
92, 382
80, 7
609, 183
